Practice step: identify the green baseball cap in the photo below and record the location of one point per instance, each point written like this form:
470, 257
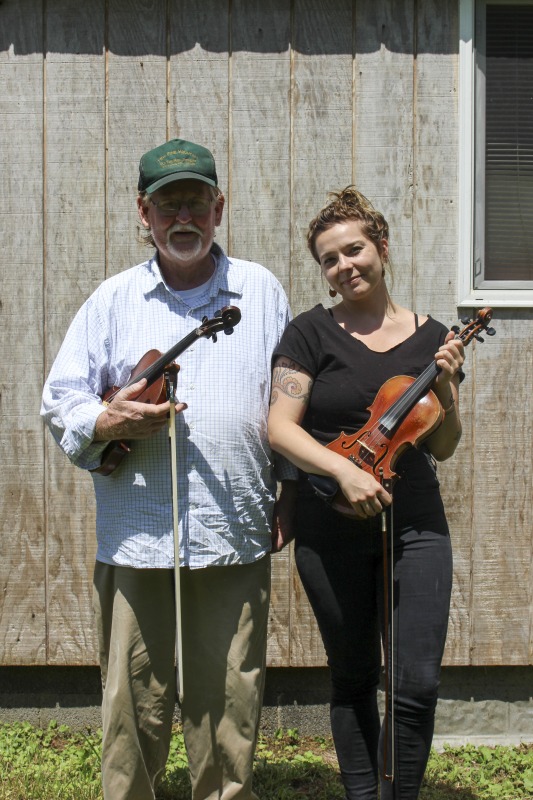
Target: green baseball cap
174, 161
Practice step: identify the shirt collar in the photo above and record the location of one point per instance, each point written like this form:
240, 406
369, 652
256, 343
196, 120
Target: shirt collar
225, 279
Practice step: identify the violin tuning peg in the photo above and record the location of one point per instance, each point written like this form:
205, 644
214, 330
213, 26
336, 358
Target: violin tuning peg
227, 331
204, 320
455, 328
218, 313
490, 331
214, 336
465, 320
478, 338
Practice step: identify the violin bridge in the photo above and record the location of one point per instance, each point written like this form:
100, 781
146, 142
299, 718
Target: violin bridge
365, 456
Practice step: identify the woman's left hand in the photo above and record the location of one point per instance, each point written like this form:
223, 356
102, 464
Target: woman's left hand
450, 358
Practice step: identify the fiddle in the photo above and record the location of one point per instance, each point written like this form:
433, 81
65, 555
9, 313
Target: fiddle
404, 413
153, 366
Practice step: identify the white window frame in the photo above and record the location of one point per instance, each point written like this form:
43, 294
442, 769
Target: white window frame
468, 296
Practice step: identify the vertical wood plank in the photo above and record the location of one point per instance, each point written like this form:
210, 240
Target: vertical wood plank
259, 182
75, 266
199, 74
435, 243
279, 632
260, 133
322, 109
383, 165
503, 493
22, 501
136, 117
435, 120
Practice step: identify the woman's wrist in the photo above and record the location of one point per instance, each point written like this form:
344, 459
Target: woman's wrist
449, 407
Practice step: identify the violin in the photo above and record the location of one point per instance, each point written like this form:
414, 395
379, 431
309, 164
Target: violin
153, 366
404, 413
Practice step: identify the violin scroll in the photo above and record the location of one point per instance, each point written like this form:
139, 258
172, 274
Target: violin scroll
473, 327
231, 315
224, 320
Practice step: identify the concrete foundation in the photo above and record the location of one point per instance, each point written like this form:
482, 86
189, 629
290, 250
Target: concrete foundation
479, 705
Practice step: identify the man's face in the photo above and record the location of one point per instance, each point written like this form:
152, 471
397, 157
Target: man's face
182, 217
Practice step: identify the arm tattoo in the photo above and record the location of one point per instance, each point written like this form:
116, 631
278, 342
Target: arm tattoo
285, 381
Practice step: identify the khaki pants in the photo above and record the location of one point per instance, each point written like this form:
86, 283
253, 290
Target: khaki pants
225, 617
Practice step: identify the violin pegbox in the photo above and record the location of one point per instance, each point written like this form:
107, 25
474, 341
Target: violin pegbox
473, 327
212, 334
224, 320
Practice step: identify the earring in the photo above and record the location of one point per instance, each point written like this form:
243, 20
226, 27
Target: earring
332, 292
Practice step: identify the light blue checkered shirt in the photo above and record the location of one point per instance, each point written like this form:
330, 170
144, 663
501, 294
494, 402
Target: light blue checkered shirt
226, 481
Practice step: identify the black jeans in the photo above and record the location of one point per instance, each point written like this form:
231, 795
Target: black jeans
341, 566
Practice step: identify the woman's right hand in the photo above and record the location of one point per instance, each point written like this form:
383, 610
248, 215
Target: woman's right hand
365, 494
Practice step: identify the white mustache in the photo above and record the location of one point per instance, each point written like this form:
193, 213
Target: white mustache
177, 227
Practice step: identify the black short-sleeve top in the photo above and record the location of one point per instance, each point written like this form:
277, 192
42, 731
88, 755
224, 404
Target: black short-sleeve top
347, 374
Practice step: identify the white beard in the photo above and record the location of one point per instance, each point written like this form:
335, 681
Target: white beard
185, 252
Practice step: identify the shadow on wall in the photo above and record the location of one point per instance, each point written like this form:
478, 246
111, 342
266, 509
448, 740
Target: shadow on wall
302, 686
165, 28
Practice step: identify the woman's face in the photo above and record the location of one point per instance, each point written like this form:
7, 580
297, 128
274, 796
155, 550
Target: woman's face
350, 261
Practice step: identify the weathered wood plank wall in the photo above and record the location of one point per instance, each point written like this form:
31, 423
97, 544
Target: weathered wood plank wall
294, 98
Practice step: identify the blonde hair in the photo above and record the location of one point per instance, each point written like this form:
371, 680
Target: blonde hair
346, 205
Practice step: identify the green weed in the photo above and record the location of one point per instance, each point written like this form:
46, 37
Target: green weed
60, 764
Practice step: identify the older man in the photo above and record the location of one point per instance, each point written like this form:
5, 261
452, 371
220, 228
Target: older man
225, 487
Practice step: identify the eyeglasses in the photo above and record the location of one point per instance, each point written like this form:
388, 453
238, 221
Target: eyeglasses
172, 206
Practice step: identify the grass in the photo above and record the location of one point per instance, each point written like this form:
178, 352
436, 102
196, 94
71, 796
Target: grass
60, 764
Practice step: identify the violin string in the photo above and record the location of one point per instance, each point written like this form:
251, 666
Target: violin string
424, 380
409, 397
399, 408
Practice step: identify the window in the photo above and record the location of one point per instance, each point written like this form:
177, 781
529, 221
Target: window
496, 153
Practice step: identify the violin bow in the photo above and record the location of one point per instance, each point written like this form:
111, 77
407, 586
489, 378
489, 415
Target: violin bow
388, 639
171, 375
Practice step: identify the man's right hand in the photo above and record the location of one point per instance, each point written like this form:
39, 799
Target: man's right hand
126, 418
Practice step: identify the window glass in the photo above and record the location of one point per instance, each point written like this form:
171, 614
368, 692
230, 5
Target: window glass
503, 218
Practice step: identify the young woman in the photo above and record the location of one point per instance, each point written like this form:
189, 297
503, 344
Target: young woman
328, 368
